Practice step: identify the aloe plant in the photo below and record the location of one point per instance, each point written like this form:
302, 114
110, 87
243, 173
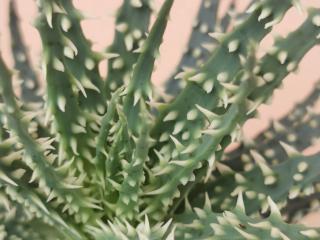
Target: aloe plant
96, 158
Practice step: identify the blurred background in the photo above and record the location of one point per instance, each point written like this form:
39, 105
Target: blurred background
99, 28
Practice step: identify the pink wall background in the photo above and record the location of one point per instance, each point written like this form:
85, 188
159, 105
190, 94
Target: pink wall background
100, 24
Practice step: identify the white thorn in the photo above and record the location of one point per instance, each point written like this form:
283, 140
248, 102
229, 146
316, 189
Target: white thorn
180, 75
109, 55
68, 52
58, 65
311, 233
208, 46
137, 97
291, 151
5, 178
240, 178
178, 128
73, 145
246, 235
266, 12
89, 85
240, 202
297, 4
48, 13
218, 36
253, 7
208, 114
242, 59
177, 143
282, 56
273, 207
198, 77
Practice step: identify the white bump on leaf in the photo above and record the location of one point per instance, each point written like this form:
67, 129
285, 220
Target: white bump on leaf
302, 167
316, 20
294, 192
137, 34
192, 114
61, 103
128, 40
223, 76
204, 28
268, 77
122, 27
118, 63
270, 180
136, 3
298, 177
65, 24
171, 116
208, 85
233, 45
291, 66
89, 63
240, 178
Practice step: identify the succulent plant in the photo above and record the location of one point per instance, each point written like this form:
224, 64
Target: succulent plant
94, 158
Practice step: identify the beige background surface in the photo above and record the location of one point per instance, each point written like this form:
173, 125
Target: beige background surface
99, 28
